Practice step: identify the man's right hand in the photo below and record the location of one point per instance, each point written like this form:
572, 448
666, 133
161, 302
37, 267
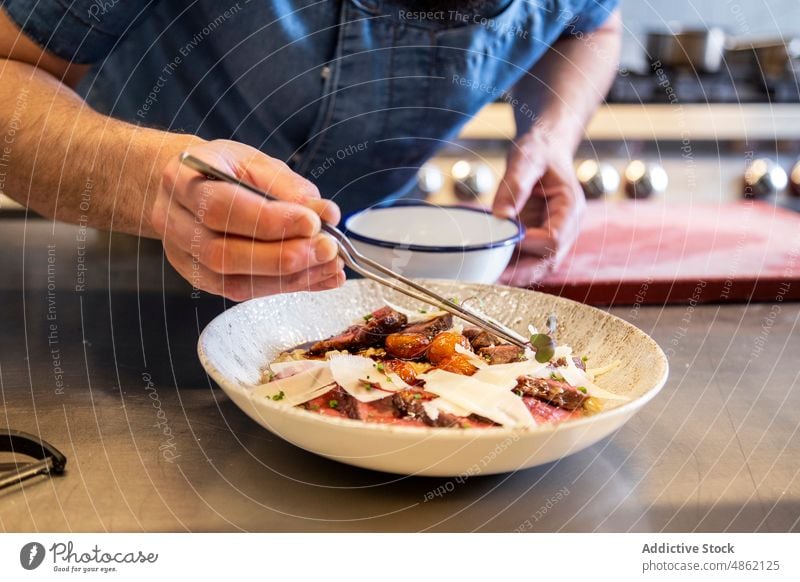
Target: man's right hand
228, 241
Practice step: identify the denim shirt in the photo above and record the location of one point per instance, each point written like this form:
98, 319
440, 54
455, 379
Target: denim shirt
353, 94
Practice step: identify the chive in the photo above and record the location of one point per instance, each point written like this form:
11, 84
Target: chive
333, 403
367, 317
279, 396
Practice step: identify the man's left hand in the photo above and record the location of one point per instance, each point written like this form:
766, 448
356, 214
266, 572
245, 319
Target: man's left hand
540, 187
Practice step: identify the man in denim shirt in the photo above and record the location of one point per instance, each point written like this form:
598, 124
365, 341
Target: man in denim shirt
346, 97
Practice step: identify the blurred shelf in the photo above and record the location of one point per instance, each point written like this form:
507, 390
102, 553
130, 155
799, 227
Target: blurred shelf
695, 122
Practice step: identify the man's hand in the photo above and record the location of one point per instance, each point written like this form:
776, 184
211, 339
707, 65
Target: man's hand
231, 242
540, 187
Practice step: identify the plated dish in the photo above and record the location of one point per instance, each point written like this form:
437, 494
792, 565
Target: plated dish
416, 368
241, 347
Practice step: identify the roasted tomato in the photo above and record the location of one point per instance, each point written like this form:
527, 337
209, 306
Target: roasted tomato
402, 369
458, 364
443, 346
407, 346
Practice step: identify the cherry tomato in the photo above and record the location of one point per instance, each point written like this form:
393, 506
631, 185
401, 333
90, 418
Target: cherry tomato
457, 364
402, 369
407, 346
443, 346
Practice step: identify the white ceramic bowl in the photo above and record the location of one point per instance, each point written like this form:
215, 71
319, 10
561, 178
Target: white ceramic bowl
236, 347
417, 239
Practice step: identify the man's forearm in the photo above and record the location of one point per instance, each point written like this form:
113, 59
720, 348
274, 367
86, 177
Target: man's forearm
564, 88
64, 160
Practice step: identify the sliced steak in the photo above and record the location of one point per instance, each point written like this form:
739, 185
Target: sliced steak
553, 392
381, 411
502, 354
378, 325
431, 327
408, 403
332, 403
451, 420
544, 413
479, 338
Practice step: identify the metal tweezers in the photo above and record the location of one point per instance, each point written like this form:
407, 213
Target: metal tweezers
366, 267
50, 459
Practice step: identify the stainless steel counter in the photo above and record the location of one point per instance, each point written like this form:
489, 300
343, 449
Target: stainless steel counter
154, 446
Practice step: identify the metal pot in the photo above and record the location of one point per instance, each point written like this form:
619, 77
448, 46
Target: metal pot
772, 58
699, 50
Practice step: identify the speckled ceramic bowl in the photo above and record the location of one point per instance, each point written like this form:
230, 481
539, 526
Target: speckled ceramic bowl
236, 347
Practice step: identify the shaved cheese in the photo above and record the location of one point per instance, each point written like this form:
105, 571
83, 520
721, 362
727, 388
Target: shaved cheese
292, 367
574, 375
497, 404
562, 352
579, 378
505, 375
361, 378
438, 405
594, 372
298, 388
415, 316
473, 358
303, 397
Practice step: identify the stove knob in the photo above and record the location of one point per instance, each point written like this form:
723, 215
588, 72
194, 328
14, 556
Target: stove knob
597, 178
472, 180
642, 180
794, 181
764, 178
429, 179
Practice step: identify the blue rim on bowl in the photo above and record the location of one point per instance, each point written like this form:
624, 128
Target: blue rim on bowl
511, 240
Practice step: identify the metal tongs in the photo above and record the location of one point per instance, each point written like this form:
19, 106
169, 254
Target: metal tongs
365, 266
49, 460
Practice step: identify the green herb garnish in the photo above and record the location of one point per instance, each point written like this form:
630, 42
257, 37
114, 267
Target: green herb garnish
583, 389
333, 403
279, 396
367, 317
545, 347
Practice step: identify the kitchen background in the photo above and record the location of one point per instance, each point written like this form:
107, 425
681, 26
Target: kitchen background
677, 137
717, 451
737, 17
